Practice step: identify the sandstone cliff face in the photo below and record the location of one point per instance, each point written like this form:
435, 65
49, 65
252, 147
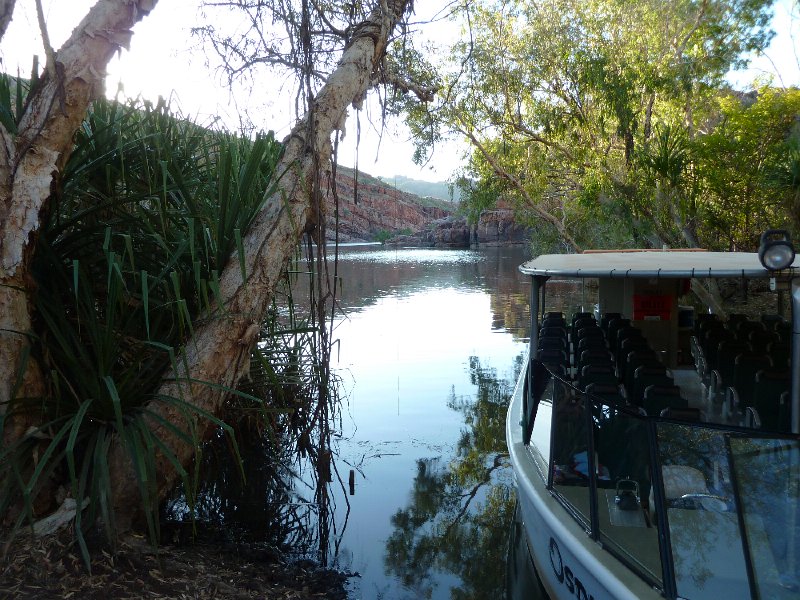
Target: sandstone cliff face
378, 209
409, 221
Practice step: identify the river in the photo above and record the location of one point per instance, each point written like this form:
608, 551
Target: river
428, 345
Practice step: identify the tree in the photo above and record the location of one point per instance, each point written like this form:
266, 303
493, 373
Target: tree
214, 358
558, 98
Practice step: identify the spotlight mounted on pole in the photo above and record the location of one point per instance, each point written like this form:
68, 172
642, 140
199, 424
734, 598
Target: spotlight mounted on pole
776, 251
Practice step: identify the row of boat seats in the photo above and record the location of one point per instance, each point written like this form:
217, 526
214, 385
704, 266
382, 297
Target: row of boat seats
746, 362
611, 358
771, 336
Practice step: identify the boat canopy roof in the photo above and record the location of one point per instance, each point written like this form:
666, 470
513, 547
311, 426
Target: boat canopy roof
654, 263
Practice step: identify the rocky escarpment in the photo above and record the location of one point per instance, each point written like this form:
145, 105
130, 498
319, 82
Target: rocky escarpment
375, 211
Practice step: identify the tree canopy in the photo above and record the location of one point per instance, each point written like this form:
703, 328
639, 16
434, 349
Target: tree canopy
604, 122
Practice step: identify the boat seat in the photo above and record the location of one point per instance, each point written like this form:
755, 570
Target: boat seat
634, 360
553, 332
589, 343
621, 335
595, 356
583, 323
710, 344
646, 376
768, 387
745, 328
704, 318
554, 322
553, 356
746, 366
658, 397
596, 374
615, 326
760, 340
726, 358
771, 321
629, 345
781, 354
554, 315
606, 319
785, 331
547, 343
610, 393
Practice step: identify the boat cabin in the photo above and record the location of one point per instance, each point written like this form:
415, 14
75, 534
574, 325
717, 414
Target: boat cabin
656, 446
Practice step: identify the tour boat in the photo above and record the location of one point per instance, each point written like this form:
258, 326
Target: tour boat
655, 446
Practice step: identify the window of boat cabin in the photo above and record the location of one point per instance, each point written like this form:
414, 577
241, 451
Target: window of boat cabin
701, 512
539, 444
623, 493
570, 457
767, 478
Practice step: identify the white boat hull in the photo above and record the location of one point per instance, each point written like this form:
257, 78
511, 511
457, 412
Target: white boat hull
570, 564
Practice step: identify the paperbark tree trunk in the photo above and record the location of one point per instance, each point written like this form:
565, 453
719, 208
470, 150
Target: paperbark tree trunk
219, 351
29, 159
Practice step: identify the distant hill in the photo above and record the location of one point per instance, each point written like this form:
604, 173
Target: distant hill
424, 189
431, 189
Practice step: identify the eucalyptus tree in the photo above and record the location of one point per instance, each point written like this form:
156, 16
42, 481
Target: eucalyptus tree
560, 97
38, 131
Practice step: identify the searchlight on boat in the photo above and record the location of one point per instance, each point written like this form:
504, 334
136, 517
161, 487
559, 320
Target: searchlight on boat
776, 251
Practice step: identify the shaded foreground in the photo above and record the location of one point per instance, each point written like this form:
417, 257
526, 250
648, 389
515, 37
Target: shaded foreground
53, 568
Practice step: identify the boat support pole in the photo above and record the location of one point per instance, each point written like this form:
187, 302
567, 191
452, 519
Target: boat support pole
795, 393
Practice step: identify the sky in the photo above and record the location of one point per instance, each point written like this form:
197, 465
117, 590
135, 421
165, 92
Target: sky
164, 60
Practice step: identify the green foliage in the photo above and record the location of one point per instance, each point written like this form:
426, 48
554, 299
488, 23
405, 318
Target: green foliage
587, 116
145, 215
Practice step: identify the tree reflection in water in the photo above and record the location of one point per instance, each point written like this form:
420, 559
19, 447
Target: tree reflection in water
460, 513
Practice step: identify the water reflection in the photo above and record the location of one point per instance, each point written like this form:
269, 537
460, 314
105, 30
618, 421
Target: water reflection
458, 518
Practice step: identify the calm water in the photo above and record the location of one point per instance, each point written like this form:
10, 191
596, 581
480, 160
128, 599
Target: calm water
428, 349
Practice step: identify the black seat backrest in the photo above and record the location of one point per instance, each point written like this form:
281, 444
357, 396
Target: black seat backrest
706, 320
595, 356
644, 377
660, 397
596, 374
554, 315
553, 332
785, 331
606, 392
558, 343
768, 387
615, 326
632, 345
761, 339
727, 352
710, 344
745, 328
554, 322
771, 321
747, 365
606, 319
553, 356
623, 333
781, 354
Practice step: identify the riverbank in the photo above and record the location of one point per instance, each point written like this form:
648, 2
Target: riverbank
52, 568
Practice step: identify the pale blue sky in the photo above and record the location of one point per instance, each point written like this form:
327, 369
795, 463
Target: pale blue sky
160, 62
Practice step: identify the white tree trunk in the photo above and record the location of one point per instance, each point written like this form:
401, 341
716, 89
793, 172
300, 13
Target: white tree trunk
30, 157
219, 352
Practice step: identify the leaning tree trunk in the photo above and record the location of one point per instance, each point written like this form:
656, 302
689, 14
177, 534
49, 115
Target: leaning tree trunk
219, 352
29, 158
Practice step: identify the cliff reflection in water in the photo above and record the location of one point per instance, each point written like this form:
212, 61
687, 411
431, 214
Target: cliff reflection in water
460, 512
